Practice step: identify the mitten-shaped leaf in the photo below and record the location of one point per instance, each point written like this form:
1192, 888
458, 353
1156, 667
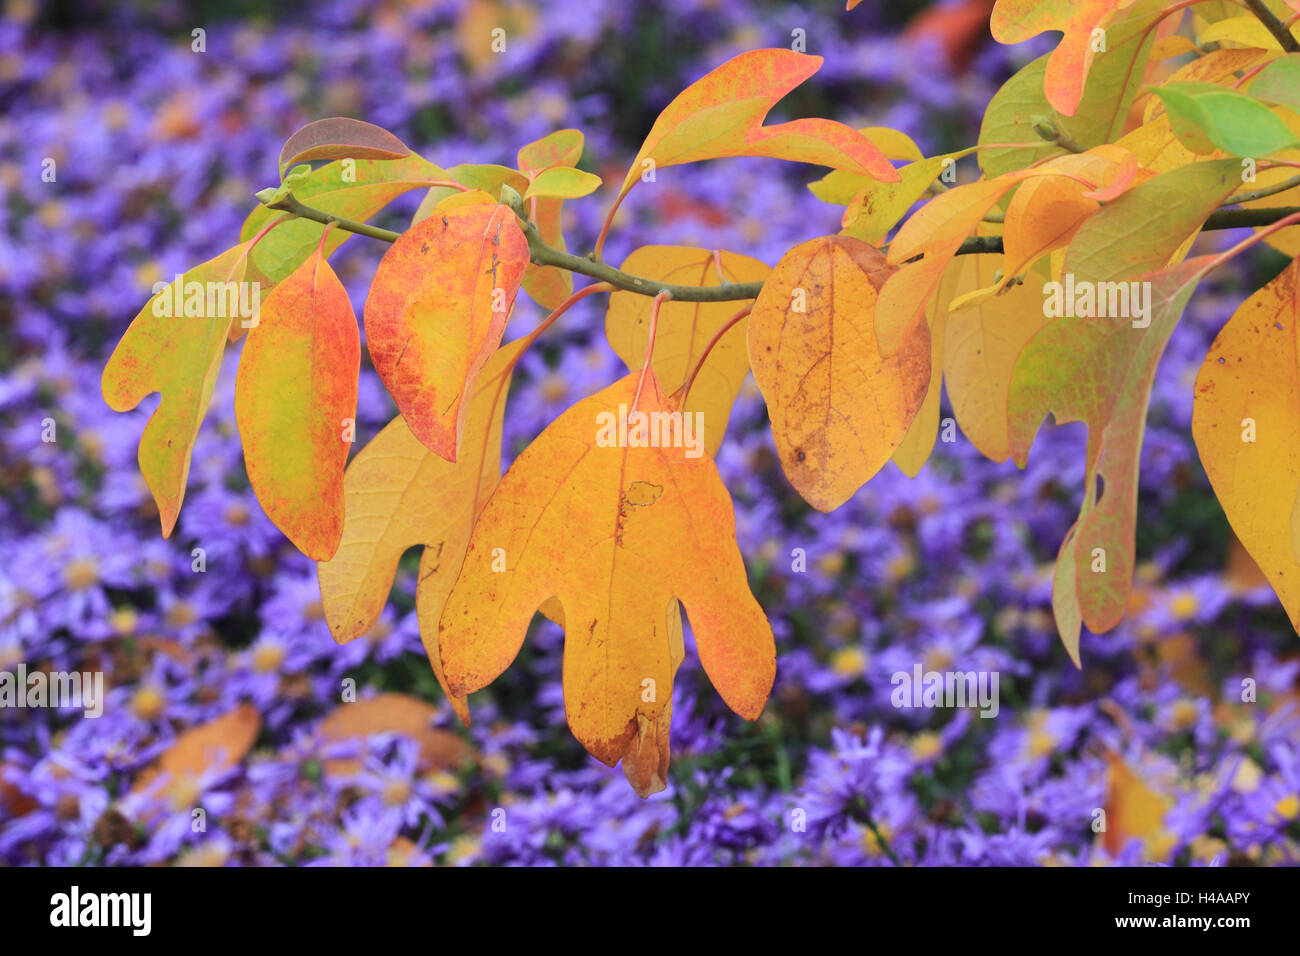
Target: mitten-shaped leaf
1245, 420
1067, 68
839, 407
686, 329
722, 114
437, 308
174, 346
607, 512
296, 404
1099, 371
398, 495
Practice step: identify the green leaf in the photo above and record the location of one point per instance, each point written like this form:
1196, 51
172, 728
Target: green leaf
369, 186
1206, 117
1113, 82
563, 182
1142, 229
1279, 82
1099, 371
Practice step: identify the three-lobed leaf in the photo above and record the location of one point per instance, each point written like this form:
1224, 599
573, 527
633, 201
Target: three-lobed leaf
619, 532
174, 346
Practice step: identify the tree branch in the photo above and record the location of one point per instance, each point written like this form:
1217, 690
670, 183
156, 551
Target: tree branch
1274, 25
545, 255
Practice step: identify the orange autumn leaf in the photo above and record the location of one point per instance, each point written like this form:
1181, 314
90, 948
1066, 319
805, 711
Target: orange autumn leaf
1133, 809
210, 748
1245, 419
391, 713
721, 114
296, 403
619, 533
436, 312
839, 406
174, 346
1014, 21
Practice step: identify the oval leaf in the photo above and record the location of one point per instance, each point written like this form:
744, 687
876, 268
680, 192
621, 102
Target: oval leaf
839, 408
436, 311
296, 405
338, 138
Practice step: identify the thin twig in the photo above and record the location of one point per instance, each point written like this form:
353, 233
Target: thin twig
1274, 25
545, 255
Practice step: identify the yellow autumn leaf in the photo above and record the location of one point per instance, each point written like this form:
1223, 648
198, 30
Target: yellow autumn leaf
839, 407
399, 495
174, 346
687, 328
619, 530
1245, 420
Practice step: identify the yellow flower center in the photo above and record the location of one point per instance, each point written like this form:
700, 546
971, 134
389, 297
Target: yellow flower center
268, 657
396, 792
1040, 743
1184, 714
181, 614
148, 702
1288, 808
81, 574
463, 848
554, 388
926, 745
237, 514
1184, 605
849, 662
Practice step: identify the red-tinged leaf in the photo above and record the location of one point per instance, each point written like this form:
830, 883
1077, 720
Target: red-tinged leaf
1123, 181
1014, 21
296, 404
839, 406
178, 355
548, 286
1099, 370
618, 533
1113, 82
340, 138
722, 114
436, 312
